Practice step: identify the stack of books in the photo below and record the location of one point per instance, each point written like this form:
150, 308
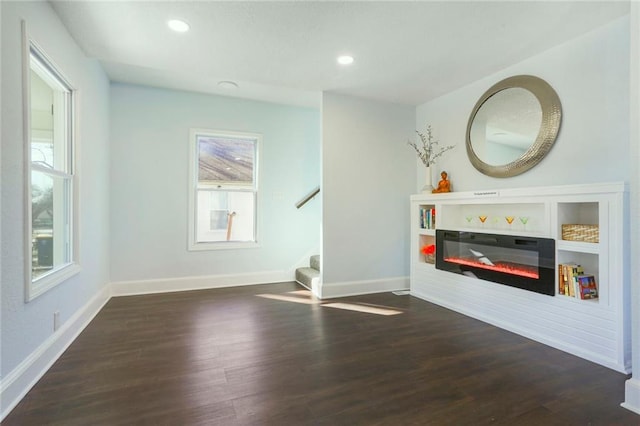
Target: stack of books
427, 218
573, 282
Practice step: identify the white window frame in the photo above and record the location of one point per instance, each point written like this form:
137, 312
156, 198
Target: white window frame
41, 284
193, 244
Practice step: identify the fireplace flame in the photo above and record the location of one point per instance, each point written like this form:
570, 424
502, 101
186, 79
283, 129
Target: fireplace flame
503, 267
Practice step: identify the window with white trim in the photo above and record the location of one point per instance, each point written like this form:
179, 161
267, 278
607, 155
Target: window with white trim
50, 181
223, 189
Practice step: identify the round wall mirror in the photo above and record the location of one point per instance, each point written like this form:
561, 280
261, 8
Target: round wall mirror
513, 126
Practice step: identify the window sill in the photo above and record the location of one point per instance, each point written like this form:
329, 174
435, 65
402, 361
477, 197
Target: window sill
47, 282
223, 245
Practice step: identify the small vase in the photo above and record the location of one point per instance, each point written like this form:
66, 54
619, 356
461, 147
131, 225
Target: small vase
430, 258
427, 188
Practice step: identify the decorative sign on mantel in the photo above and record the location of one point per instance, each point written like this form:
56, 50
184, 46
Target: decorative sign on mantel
486, 194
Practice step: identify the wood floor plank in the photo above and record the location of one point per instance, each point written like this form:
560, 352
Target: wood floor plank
232, 357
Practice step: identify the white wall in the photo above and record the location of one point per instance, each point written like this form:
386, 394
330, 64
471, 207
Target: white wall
149, 181
27, 328
591, 76
367, 177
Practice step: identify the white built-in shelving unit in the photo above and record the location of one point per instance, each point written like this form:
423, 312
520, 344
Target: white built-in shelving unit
597, 329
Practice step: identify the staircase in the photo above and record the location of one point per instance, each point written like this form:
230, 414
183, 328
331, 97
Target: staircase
310, 276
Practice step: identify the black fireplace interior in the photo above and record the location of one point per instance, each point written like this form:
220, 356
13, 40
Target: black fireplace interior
523, 262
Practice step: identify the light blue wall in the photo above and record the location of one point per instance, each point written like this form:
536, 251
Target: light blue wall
149, 181
591, 76
27, 326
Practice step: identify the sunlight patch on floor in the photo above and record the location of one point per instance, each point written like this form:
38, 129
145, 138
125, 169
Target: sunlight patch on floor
307, 298
306, 301
362, 308
301, 292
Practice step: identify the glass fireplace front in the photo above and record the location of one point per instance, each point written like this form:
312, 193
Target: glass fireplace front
523, 262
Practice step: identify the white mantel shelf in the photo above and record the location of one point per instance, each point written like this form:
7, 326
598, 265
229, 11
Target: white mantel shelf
597, 330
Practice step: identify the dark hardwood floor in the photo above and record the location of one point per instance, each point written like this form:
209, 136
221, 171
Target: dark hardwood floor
231, 357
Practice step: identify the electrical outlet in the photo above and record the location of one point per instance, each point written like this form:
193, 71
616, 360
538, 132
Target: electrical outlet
56, 320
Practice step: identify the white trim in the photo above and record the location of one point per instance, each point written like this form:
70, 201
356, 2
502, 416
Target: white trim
632, 395
224, 245
354, 288
192, 243
46, 282
25, 375
167, 285
26, 132
31, 49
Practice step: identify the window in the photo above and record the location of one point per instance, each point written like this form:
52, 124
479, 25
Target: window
224, 189
50, 181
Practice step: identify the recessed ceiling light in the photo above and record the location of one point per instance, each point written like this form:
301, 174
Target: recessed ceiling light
228, 84
178, 25
345, 60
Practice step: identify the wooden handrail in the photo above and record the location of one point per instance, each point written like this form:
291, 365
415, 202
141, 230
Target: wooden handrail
307, 197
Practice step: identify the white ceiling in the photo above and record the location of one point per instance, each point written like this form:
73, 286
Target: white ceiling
285, 52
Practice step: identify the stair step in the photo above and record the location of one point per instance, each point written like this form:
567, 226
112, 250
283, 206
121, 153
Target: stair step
315, 262
307, 276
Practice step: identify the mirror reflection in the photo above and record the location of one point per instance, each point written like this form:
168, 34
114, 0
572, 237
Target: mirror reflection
506, 126
513, 126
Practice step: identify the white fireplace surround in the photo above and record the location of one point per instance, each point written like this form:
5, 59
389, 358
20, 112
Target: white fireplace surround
596, 330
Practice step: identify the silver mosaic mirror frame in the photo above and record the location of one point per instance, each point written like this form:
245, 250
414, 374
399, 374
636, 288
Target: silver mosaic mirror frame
549, 128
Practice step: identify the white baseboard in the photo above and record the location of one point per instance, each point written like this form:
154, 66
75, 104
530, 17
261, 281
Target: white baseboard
354, 288
167, 285
22, 378
632, 395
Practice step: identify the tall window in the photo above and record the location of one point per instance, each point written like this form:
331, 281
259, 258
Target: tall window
224, 189
49, 134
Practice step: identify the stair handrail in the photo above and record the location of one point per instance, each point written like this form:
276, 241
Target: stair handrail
304, 200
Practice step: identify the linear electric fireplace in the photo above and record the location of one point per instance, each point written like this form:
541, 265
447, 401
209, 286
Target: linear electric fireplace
523, 262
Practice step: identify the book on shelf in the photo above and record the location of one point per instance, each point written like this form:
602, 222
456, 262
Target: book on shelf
561, 281
587, 287
427, 218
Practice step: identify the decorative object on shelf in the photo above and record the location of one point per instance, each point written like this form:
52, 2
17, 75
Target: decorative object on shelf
513, 126
524, 220
509, 220
584, 233
428, 153
483, 219
429, 253
444, 185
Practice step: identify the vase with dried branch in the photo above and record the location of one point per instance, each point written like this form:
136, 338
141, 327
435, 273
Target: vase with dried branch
428, 152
